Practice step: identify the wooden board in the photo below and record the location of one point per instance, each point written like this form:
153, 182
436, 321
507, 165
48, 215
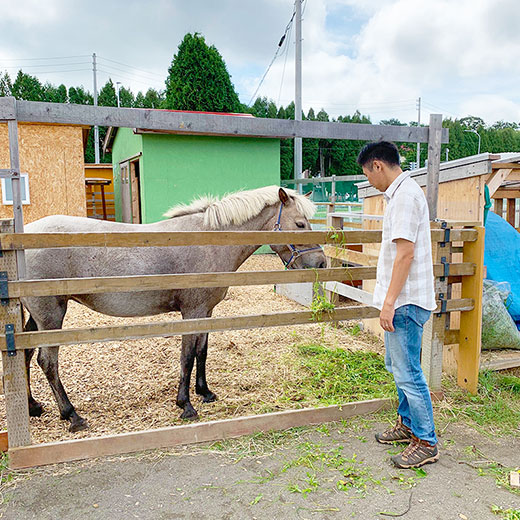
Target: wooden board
4, 443
190, 123
52, 156
471, 321
26, 340
65, 451
201, 238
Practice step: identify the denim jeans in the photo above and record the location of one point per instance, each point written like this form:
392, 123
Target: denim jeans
403, 360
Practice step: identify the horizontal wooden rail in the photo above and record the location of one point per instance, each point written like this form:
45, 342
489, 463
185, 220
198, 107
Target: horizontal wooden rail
94, 285
9, 241
191, 123
77, 449
26, 340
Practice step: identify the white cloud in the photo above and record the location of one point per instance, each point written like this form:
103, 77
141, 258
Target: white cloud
491, 108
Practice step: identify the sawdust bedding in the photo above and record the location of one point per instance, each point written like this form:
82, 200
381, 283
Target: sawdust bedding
132, 385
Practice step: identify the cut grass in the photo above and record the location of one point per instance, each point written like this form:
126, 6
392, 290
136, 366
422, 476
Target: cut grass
330, 376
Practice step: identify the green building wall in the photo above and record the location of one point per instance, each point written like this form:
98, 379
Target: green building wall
177, 168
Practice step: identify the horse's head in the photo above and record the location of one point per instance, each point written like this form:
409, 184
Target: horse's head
293, 215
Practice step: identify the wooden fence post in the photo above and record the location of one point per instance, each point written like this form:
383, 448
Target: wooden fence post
434, 163
15, 375
471, 321
435, 327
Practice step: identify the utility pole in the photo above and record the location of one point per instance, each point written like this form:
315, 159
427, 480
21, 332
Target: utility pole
298, 92
419, 124
96, 129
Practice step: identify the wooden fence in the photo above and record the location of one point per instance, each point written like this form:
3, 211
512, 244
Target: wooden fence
14, 340
13, 286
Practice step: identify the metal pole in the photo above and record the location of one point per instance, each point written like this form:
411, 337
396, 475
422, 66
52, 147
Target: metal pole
117, 92
96, 129
298, 92
14, 153
418, 124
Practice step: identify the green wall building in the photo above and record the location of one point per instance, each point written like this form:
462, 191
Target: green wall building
154, 171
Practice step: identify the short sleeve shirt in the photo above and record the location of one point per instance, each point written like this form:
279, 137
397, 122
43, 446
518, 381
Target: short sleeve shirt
406, 216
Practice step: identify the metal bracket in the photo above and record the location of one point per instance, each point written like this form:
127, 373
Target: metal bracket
444, 303
4, 288
446, 234
446, 269
9, 339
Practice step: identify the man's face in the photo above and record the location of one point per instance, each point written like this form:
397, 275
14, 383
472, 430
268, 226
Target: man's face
373, 172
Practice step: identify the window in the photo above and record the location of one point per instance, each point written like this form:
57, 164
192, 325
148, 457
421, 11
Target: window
7, 189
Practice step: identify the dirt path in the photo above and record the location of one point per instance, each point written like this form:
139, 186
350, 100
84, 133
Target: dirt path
294, 474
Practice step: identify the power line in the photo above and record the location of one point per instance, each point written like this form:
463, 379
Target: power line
288, 39
122, 76
47, 65
280, 43
128, 72
131, 67
50, 58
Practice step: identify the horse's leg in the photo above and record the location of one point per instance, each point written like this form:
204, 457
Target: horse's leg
201, 386
35, 408
188, 353
48, 361
49, 315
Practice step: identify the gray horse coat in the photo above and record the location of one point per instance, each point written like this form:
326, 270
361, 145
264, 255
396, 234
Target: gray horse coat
248, 210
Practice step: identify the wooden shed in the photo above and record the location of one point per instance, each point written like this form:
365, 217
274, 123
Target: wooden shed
154, 171
51, 162
99, 185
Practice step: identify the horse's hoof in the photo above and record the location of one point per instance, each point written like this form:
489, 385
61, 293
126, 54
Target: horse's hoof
190, 414
209, 397
78, 425
35, 409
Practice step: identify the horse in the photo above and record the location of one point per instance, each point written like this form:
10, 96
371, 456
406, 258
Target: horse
268, 208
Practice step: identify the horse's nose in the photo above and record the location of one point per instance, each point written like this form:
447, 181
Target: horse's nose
322, 265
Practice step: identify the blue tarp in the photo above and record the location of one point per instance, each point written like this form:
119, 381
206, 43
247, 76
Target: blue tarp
502, 258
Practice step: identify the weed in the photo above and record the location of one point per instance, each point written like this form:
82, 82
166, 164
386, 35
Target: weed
256, 499
507, 514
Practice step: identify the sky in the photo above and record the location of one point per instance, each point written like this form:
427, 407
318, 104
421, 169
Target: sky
461, 57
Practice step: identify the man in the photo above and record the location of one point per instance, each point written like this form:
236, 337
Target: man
404, 294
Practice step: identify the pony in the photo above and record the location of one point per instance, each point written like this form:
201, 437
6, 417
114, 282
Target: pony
268, 208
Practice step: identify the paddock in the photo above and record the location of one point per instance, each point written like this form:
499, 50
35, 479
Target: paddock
24, 453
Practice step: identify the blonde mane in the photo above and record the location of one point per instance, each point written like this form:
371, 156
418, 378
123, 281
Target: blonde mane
237, 208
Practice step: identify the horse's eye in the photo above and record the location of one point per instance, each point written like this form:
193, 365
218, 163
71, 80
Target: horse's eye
300, 225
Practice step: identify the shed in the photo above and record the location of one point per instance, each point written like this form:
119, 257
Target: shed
99, 185
51, 163
154, 171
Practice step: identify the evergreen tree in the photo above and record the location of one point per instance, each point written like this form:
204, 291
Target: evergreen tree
5, 85
126, 98
79, 96
198, 79
27, 87
107, 96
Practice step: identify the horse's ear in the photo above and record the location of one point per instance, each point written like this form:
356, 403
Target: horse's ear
308, 194
284, 198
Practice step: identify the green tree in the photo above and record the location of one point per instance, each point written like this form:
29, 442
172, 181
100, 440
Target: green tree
126, 98
107, 96
198, 79
79, 96
54, 94
5, 85
27, 87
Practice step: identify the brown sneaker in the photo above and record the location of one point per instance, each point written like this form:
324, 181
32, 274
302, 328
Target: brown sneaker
398, 433
417, 454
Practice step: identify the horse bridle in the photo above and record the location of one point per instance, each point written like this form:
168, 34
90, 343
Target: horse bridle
295, 252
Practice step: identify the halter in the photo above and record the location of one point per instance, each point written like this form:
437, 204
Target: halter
295, 252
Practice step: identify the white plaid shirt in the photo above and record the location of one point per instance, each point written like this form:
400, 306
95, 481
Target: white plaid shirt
406, 216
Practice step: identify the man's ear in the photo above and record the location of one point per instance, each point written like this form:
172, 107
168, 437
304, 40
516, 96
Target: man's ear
284, 198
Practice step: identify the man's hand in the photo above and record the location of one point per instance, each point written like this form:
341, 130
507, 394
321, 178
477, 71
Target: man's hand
386, 317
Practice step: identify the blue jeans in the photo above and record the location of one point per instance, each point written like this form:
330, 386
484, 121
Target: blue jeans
403, 360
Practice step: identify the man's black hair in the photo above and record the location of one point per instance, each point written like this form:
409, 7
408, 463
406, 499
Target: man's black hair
380, 150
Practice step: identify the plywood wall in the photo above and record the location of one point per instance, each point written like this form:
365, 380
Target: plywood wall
52, 155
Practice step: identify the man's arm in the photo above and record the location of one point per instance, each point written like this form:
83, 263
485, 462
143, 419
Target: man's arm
400, 270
